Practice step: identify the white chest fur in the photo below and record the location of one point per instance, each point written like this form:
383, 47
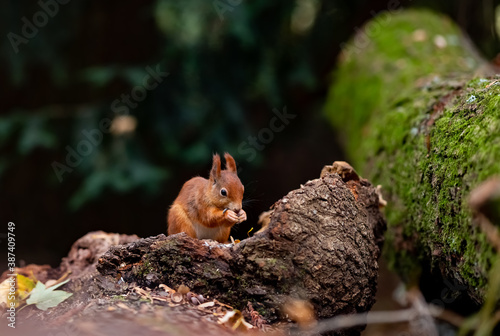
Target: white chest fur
203, 232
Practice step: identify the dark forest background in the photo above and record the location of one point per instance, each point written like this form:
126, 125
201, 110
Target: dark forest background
230, 63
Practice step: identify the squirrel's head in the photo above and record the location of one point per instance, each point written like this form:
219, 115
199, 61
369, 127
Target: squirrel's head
225, 186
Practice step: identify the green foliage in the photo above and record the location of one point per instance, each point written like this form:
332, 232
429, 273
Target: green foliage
34, 134
228, 70
220, 64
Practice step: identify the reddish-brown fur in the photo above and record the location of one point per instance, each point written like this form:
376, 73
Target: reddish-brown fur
201, 211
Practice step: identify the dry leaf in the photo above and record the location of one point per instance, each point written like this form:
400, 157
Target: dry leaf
300, 311
4, 291
24, 287
234, 319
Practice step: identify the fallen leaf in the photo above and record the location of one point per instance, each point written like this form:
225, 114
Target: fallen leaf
24, 287
4, 291
44, 298
300, 311
234, 319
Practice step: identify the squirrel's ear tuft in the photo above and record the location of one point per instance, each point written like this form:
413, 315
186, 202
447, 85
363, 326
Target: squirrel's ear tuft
230, 163
215, 171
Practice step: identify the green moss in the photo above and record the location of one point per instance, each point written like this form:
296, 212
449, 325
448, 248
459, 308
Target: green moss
144, 269
262, 310
175, 259
463, 152
382, 72
432, 187
118, 298
242, 282
426, 158
272, 261
210, 271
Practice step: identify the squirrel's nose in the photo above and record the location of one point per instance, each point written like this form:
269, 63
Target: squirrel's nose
237, 210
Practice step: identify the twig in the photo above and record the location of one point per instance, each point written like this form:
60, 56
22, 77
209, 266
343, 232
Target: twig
448, 316
425, 321
61, 279
349, 321
419, 309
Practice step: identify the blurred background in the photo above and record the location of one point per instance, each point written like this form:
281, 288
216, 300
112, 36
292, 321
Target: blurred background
108, 107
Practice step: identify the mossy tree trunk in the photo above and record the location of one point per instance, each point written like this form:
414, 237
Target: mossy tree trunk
421, 114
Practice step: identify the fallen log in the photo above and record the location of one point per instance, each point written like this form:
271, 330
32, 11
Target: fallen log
420, 113
321, 246
317, 258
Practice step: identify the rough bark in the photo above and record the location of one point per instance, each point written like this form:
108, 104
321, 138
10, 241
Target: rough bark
426, 128
322, 245
103, 306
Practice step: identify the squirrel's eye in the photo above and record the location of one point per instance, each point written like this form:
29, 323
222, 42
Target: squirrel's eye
223, 192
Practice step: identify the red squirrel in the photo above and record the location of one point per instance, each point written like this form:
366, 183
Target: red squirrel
207, 209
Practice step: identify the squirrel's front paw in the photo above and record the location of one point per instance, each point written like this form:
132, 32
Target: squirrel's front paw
242, 215
231, 216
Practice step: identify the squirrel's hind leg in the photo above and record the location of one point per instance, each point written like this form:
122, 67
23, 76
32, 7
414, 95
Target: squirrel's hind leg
178, 221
